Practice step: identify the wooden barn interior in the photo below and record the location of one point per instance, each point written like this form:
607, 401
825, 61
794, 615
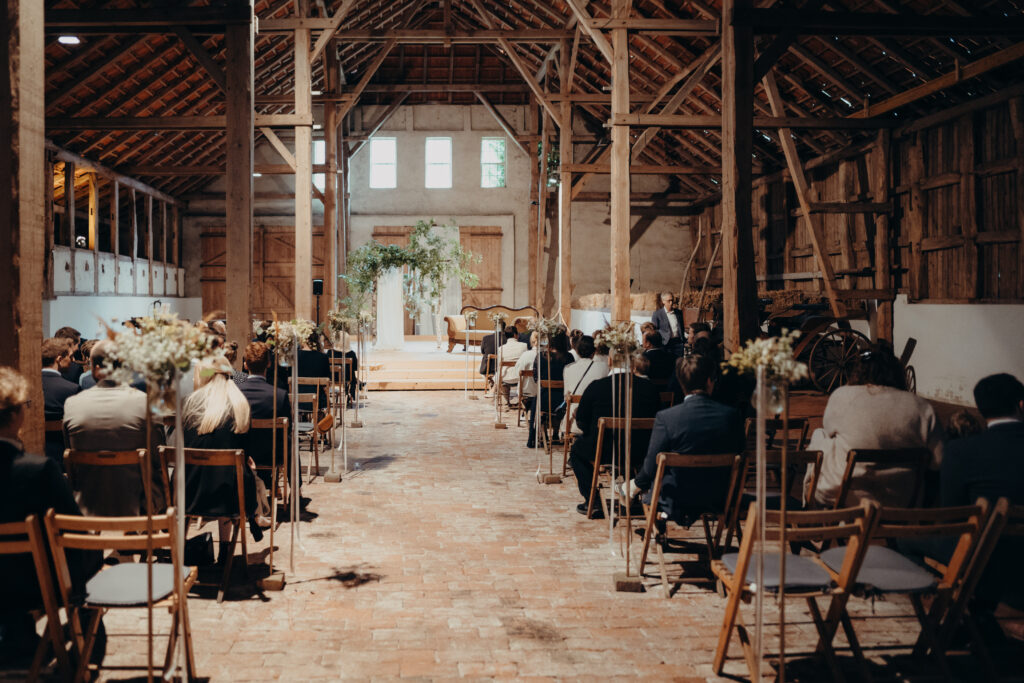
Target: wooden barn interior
751, 156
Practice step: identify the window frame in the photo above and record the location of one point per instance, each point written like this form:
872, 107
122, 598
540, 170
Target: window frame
427, 163
374, 163
485, 164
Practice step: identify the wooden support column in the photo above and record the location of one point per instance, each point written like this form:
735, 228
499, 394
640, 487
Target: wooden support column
970, 283
344, 216
739, 286
619, 241
48, 218
915, 220
1017, 122
133, 201
533, 219
69, 215
238, 76
115, 232
303, 180
22, 211
94, 230
331, 77
883, 329
149, 243
565, 156
542, 213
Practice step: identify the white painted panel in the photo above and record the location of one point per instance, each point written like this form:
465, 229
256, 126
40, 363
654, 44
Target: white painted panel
84, 279
125, 276
85, 312
142, 278
158, 279
61, 270
108, 274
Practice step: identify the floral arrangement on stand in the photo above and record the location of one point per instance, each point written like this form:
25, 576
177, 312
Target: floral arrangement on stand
775, 355
546, 328
497, 318
157, 347
471, 317
342, 320
620, 339
285, 337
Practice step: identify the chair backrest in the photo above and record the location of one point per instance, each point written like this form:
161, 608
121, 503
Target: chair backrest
608, 425
799, 460
268, 424
26, 538
134, 458
341, 367
314, 381
853, 525
105, 533
552, 384
508, 363
220, 457
313, 397
795, 431
54, 426
914, 459
571, 401
668, 398
733, 461
525, 374
964, 523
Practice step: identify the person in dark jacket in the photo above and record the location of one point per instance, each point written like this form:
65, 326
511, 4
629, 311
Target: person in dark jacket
262, 396
29, 485
669, 321
549, 364
489, 347
216, 416
74, 369
56, 355
597, 401
662, 362
698, 425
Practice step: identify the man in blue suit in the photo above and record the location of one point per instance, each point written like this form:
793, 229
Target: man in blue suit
56, 354
698, 425
669, 321
261, 396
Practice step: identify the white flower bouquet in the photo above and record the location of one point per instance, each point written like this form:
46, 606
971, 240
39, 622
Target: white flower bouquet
774, 353
497, 318
342, 320
545, 327
158, 347
619, 338
285, 337
471, 317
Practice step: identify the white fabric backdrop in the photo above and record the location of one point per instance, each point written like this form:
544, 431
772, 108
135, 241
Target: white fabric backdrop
390, 311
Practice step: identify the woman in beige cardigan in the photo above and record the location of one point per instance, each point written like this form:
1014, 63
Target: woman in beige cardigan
873, 411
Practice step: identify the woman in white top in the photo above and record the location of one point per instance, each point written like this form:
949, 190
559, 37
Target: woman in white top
591, 366
873, 411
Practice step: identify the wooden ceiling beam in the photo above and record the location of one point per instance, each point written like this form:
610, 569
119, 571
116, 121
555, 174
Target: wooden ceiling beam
204, 58
149, 20
378, 123
780, 20
578, 8
502, 122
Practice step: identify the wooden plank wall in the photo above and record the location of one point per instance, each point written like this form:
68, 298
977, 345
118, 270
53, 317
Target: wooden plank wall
956, 222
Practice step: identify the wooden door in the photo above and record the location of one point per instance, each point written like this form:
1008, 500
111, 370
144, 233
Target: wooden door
398, 235
485, 241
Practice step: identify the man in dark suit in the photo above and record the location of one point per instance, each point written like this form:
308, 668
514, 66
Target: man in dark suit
75, 368
697, 425
662, 362
487, 346
29, 485
56, 354
261, 396
595, 403
669, 320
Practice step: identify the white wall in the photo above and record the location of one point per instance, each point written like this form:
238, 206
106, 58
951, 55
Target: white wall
84, 313
958, 344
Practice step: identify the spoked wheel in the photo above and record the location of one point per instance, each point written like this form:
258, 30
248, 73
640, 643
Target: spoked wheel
833, 355
911, 379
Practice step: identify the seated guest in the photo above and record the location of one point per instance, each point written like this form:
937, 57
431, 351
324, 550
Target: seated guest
697, 330
511, 350
111, 417
874, 410
669, 320
549, 365
591, 366
595, 403
698, 425
344, 350
261, 396
87, 381
29, 485
663, 362
75, 368
574, 336
231, 353
56, 354
646, 327
216, 415
961, 424
523, 363
314, 363
489, 346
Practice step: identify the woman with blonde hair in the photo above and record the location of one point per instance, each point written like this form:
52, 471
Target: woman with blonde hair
216, 416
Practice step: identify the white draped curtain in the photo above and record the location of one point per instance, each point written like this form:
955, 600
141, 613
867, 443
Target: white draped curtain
390, 311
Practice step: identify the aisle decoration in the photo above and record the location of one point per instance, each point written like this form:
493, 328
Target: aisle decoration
546, 329
498, 331
160, 348
772, 361
621, 341
471, 317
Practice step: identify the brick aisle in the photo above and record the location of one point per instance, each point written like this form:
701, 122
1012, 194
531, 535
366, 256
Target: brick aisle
442, 557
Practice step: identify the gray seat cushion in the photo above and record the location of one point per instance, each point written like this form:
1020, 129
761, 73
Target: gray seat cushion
304, 427
802, 574
125, 584
885, 570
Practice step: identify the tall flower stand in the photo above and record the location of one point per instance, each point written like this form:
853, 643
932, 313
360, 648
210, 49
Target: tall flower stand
275, 579
361, 351
333, 476
627, 581
498, 422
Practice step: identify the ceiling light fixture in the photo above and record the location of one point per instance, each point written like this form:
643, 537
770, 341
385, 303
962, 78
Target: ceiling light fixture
69, 40
257, 175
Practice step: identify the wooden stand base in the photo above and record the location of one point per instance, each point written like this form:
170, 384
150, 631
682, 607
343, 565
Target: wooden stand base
473, 397
627, 584
355, 425
500, 425
274, 582
550, 479
332, 477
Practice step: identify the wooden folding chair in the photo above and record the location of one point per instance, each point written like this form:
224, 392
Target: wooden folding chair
549, 386
690, 461
521, 410
123, 585
807, 578
795, 431
26, 538
500, 385
914, 459
221, 457
568, 436
341, 377
308, 428
886, 571
1004, 521
606, 426
668, 399
797, 463
272, 429
135, 459
492, 363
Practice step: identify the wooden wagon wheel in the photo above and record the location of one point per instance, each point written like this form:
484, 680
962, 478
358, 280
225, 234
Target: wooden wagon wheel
832, 356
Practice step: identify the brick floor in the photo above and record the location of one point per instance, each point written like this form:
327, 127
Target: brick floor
442, 557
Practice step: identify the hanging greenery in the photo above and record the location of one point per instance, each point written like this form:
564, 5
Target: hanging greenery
552, 166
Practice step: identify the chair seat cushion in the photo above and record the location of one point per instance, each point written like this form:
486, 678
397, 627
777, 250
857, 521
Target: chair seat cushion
304, 427
802, 574
885, 570
125, 584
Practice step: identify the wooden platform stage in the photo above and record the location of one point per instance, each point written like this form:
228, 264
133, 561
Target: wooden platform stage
421, 366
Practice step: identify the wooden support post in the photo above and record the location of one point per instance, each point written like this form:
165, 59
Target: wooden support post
970, 281
69, 215
739, 286
149, 243
883, 258
565, 156
344, 216
48, 217
331, 77
620, 304
1017, 122
915, 220
94, 230
238, 75
115, 231
542, 213
533, 218
847, 221
303, 180
133, 201
22, 165
803, 195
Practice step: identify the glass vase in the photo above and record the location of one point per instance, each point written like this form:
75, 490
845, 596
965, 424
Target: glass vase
161, 399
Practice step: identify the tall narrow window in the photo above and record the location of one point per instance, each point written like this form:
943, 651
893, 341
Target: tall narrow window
319, 157
492, 162
383, 163
439, 163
